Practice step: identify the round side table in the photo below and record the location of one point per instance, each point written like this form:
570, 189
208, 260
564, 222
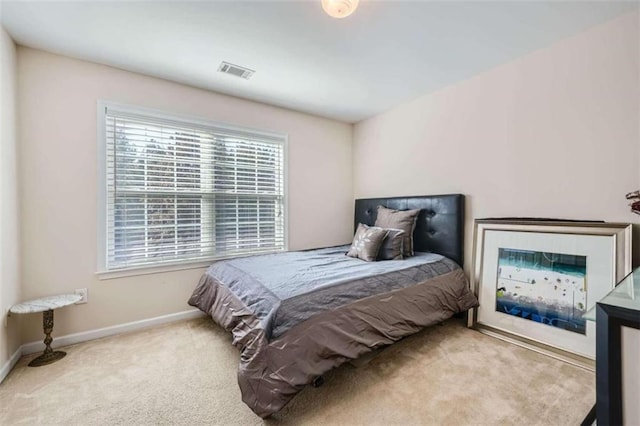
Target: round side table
46, 305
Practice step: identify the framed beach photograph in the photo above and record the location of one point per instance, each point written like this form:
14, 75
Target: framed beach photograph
535, 280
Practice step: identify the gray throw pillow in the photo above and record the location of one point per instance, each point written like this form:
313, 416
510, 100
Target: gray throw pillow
367, 242
399, 219
392, 246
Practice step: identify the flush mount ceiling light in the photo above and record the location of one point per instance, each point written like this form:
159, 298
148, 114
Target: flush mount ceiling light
339, 8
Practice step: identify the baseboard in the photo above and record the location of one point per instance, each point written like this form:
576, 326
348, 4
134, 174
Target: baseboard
11, 362
71, 339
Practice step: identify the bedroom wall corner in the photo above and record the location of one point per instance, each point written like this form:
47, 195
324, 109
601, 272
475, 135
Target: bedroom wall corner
9, 217
58, 171
555, 133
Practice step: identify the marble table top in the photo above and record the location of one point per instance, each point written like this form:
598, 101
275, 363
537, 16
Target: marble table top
45, 303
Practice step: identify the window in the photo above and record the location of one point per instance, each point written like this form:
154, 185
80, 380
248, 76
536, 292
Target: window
182, 190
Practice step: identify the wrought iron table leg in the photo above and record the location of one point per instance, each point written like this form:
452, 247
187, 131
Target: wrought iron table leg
49, 355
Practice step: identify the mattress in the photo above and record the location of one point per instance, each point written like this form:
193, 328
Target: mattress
296, 315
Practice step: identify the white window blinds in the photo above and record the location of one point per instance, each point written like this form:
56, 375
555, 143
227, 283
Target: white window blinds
178, 191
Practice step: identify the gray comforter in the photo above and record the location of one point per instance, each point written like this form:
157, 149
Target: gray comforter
296, 315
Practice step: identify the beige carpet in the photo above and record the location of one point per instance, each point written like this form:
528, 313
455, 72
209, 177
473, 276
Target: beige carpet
185, 373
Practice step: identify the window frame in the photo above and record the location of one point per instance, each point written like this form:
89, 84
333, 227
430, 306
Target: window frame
102, 238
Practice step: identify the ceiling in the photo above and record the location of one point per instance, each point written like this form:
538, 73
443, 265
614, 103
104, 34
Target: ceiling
386, 53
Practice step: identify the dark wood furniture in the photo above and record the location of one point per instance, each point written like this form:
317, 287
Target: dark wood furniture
621, 307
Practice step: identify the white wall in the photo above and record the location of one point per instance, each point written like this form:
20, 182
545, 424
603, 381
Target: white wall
9, 238
555, 133
552, 134
58, 175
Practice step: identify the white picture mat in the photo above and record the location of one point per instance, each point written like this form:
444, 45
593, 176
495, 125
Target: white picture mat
600, 279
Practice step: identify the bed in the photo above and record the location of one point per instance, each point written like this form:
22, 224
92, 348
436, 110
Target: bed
296, 315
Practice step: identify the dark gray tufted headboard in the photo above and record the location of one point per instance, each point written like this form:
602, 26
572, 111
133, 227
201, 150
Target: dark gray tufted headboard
440, 227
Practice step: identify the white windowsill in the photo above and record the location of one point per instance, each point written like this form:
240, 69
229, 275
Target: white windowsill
182, 266
147, 270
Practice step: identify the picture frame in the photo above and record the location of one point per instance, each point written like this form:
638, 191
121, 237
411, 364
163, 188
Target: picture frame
535, 279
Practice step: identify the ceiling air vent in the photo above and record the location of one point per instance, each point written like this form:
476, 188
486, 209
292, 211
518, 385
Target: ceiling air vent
236, 70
